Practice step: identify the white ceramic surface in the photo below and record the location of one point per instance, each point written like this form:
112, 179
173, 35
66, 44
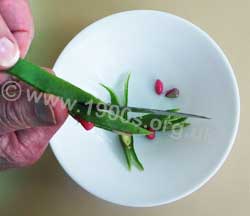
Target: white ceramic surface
150, 44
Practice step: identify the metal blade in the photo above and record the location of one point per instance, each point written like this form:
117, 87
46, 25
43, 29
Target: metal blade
163, 112
109, 107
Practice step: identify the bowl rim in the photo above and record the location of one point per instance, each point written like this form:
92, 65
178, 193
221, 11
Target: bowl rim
212, 173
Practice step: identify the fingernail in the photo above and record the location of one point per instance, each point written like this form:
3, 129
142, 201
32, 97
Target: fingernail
45, 114
9, 53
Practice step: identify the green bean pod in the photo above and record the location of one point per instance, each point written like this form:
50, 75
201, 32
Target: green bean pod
46, 82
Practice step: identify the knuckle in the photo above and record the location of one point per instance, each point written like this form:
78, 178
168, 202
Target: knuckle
14, 153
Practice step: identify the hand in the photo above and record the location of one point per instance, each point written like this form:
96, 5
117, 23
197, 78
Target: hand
26, 126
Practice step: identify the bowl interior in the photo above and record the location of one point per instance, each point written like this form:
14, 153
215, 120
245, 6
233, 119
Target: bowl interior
150, 45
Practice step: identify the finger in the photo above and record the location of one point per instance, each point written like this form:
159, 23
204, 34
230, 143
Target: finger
18, 17
25, 147
25, 112
9, 52
37, 139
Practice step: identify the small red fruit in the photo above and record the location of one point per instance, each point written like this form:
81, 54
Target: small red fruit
158, 86
152, 135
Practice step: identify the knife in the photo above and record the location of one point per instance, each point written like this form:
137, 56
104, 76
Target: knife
109, 107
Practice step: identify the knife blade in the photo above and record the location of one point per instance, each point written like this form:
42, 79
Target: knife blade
110, 107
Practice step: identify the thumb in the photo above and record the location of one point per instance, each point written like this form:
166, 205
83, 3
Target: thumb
23, 114
9, 51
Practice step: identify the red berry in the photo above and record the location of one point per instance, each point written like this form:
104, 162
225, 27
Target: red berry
152, 135
158, 86
173, 93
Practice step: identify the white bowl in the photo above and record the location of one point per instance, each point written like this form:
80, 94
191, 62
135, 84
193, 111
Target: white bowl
151, 45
